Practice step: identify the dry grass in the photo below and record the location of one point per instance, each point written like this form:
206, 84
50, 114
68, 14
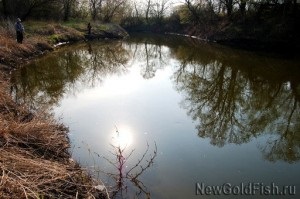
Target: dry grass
53, 32
13, 53
34, 158
39, 37
25, 175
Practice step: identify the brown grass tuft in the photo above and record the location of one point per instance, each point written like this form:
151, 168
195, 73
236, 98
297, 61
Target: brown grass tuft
13, 53
24, 175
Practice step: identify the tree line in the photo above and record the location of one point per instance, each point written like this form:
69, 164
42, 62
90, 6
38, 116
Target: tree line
104, 10
155, 10
241, 8
161, 15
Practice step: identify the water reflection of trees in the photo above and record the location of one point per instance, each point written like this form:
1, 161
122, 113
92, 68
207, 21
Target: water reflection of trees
151, 57
234, 102
104, 59
233, 96
44, 82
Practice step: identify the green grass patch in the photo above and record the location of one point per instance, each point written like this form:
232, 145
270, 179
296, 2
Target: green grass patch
54, 32
80, 25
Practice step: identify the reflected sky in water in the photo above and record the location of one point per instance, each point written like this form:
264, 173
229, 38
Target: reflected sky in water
216, 114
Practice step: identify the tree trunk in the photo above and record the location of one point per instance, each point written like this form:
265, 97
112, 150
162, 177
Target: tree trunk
243, 8
295, 8
66, 10
24, 17
94, 14
4, 5
229, 8
148, 10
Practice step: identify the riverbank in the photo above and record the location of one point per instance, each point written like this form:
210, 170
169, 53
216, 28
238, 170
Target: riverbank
42, 37
273, 35
246, 36
34, 157
35, 160
267, 32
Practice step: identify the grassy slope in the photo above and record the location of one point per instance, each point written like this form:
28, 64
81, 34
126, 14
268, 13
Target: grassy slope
40, 37
34, 157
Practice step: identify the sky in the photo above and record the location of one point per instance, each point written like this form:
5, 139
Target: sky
175, 2
172, 3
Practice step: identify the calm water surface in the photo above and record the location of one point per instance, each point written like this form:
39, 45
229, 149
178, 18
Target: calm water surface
217, 115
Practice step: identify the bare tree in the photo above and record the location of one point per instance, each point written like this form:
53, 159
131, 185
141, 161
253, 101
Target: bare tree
136, 10
148, 7
229, 4
111, 7
4, 7
32, 4
159, 9
23, 8
67, 8
242, 6
193, 8
95, 7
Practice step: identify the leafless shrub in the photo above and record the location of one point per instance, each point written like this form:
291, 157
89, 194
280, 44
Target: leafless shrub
132, 174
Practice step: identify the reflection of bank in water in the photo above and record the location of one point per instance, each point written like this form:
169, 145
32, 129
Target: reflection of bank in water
46, 81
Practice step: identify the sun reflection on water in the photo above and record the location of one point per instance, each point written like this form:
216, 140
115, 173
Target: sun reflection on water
122, 137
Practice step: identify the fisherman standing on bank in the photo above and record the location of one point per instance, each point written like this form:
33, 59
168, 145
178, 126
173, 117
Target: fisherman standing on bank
89, 27
20, 31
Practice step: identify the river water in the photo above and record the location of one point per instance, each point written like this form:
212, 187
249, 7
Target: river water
216, 115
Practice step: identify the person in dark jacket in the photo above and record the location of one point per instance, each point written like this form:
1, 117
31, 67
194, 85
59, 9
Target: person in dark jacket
89, 27
19, 30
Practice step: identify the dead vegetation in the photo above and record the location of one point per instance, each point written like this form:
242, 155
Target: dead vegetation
34, 157
39, 38
53, 32
12, 53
